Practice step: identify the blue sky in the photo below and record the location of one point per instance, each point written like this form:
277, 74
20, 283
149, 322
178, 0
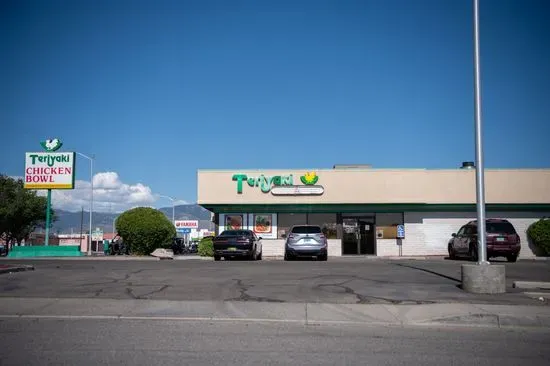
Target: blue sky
159, 89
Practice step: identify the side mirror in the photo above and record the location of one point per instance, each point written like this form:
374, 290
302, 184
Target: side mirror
283, 236
260, 238
453, 235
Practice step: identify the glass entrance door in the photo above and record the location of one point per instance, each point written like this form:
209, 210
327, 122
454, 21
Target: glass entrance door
358, 236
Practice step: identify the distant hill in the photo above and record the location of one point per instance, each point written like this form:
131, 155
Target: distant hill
69, 222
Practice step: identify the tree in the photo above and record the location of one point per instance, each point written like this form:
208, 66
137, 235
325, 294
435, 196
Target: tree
206, 247
539, 232
21, 210
144, 229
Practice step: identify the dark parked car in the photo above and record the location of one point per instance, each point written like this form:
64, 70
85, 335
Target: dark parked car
306, 241
502, 240
237, 243
178, 246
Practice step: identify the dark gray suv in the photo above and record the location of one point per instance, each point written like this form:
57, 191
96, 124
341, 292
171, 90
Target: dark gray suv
306, 241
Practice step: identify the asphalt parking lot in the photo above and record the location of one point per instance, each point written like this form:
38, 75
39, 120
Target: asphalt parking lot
340, 280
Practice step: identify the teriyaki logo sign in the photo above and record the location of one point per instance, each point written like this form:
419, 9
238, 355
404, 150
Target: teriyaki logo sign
282, 185
50, 169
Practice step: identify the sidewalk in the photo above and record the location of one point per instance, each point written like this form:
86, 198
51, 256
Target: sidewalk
432, 315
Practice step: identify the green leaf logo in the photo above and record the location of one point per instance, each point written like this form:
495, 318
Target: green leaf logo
310, 178
51, 145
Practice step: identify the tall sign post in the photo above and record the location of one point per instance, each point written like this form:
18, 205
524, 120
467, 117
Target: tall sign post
49, 170
481, 277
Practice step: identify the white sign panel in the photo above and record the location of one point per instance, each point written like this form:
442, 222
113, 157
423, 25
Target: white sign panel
97, 235
186, 224
297, 190
47, 170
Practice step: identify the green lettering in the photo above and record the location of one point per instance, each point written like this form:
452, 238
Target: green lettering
276, 180
265, 184
251, 181
33, 157
239, 178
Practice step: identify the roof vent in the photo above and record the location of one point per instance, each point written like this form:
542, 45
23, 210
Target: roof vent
468, 165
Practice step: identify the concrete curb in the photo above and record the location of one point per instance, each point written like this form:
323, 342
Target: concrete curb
431, 315
16, 268
532, 285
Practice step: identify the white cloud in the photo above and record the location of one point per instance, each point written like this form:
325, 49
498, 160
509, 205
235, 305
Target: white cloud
110, 195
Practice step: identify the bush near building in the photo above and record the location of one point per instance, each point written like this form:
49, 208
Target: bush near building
206, 247
145, 229
539, 233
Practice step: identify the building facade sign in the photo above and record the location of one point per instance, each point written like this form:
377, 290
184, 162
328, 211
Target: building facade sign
280, 184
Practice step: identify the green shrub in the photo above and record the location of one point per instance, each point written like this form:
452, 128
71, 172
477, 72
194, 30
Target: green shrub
539, 233
144, 229
206, 247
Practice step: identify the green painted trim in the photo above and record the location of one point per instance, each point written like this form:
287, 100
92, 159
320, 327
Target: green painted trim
381, 208
45, 251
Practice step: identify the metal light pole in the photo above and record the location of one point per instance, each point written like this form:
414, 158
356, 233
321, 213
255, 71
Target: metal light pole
91, 159
480, 170
173, 207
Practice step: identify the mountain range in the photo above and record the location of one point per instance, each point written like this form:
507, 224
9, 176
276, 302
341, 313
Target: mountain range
70, 222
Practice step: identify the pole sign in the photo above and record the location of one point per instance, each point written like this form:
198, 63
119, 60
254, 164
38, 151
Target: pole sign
186, 224
183, 230
49, 170
97, 234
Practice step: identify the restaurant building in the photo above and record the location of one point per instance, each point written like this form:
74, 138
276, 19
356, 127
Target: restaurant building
366, 211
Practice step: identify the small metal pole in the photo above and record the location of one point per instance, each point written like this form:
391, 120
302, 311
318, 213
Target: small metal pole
48, 216
480, 183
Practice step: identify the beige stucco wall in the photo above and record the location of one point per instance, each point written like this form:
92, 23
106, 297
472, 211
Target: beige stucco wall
374, 186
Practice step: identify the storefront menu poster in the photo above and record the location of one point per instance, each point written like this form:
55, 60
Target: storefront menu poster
264, 225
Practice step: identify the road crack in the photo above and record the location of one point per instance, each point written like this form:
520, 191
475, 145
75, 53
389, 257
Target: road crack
244, 296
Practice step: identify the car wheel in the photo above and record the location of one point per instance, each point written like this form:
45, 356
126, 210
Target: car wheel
323, 257
512, 258
260, 256
217, 257
452, 255
287, 257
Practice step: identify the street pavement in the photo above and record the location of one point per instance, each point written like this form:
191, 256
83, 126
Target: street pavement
194, 312
340, 280
164, 342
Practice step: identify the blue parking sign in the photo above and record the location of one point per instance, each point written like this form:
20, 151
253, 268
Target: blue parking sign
400, 231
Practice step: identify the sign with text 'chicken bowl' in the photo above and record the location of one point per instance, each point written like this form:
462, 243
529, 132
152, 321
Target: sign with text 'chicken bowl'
49, 170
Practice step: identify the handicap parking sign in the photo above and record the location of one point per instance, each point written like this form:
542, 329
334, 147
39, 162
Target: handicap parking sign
400, 231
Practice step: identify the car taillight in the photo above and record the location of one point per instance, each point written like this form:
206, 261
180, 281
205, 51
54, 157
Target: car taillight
514, 238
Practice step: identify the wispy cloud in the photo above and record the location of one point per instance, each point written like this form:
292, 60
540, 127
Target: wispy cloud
111, 194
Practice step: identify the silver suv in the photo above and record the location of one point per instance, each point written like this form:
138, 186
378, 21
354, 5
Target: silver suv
306, 241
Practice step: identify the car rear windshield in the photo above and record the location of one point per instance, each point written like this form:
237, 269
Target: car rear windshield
500, 228
235, 233
306, 230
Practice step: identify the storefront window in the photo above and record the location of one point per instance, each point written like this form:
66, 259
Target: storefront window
327, 222
287, 221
